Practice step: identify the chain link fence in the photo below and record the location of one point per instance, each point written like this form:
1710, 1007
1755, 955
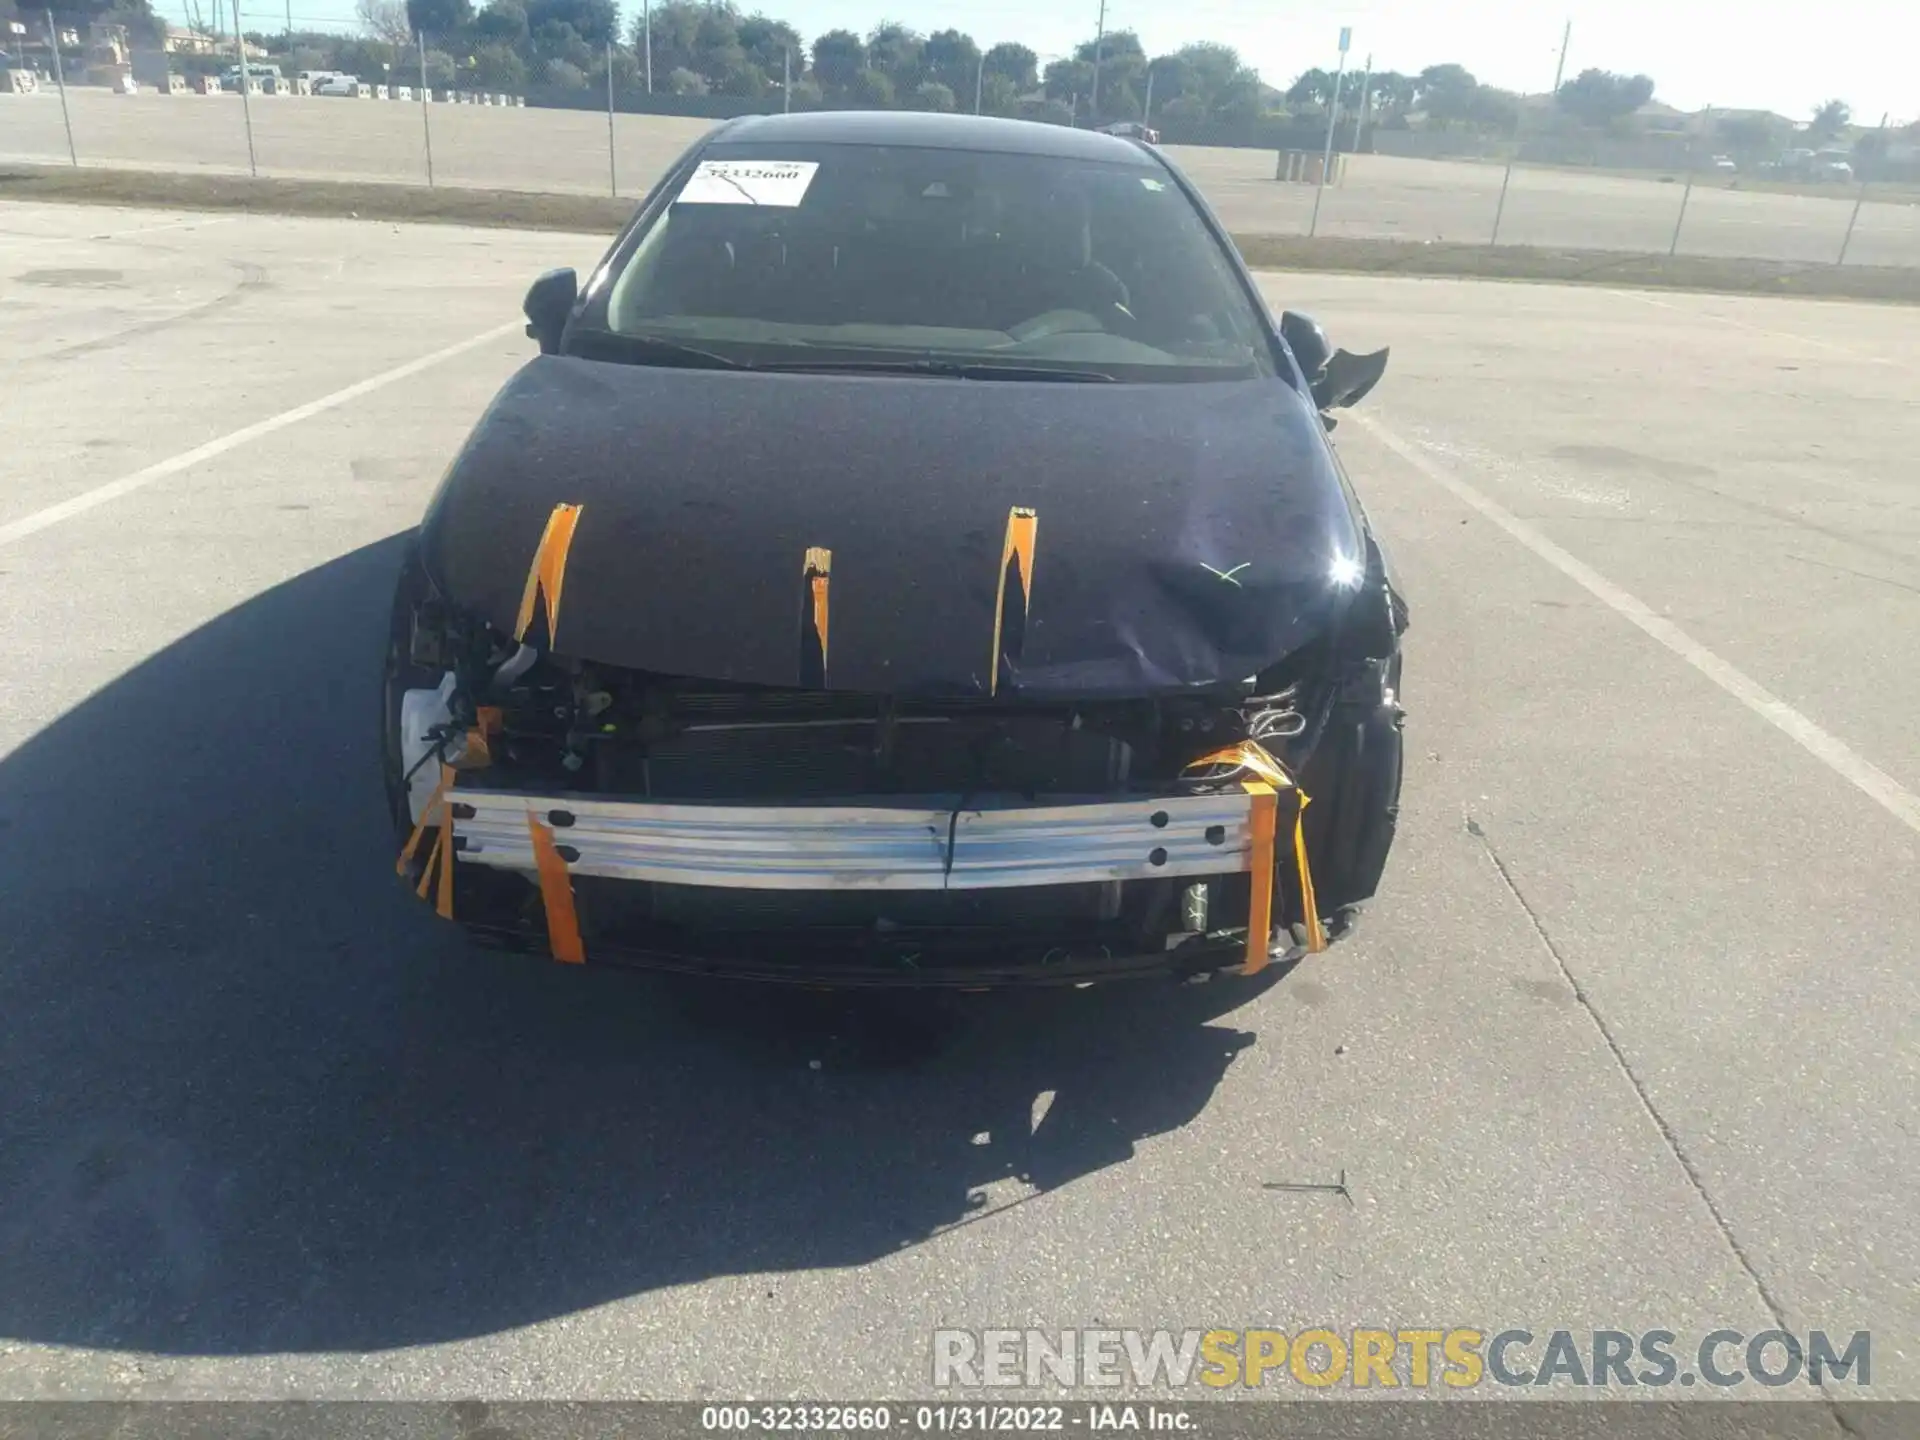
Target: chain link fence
1681, 196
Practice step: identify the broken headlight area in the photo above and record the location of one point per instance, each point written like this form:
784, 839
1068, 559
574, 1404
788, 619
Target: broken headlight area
833, 837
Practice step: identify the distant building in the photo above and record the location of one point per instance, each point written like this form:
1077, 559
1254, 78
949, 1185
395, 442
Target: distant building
182, 41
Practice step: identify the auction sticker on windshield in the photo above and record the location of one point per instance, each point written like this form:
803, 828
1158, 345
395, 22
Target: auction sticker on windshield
749, 182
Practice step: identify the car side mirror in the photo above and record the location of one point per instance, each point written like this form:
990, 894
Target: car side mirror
1347, 378
1307, 341
549, 302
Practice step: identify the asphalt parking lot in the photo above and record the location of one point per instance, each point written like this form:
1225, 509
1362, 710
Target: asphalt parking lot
1631, 1039
1383, 197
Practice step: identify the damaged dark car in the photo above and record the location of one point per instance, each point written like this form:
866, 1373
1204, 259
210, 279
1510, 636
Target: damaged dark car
915, 557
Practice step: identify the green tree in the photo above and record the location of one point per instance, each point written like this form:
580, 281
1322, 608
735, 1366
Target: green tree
1312, 91
897, 52
1018, 65
932, 95
1446, 93
1753, 134
998, 95
1050, 112
439, 17
871, 90
768, 42
1495, 110
1392, 92
503, 22
1206, 83
1600, 97
557, 40
1066, 79
683, 81
594, 21
495, 67
1123, 68
1830, 121
838, 58
952, 58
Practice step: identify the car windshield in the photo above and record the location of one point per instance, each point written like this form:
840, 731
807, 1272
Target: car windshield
812, 256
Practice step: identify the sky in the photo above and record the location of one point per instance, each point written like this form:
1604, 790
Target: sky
1699, 52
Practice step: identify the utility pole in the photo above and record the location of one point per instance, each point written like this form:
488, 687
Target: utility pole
786, 79
1333, 118
426, 95
1860, 199
646, 22
246, 88
60, 79
1099, 59
979, 81
289, 32
613, 163
1146, 110
1559, 69
1693, 164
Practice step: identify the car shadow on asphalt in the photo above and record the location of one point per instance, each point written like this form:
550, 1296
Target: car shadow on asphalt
260, 1100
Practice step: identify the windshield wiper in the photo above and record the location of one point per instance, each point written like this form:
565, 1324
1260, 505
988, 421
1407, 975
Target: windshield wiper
949, 369
651, 350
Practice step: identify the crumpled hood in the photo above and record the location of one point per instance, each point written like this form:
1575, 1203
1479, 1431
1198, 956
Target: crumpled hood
1182, 535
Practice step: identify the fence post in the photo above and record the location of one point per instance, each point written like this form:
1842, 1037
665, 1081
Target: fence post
1333, 119
613, 165
1559, 69
1693, 165
426, 122
246, 89
60, 79
1860, 200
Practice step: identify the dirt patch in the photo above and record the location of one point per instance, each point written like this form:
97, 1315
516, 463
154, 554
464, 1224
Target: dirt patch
171, 190
592, 214
1617, 269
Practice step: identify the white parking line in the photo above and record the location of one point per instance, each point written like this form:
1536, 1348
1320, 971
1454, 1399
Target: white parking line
92, 499
197, 222
1829, 750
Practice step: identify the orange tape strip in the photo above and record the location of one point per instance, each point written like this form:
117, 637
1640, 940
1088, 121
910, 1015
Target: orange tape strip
412, 847
556, 894
1261, 819
444, 845
817, 567
1247, 755
547, 575
426, 875
1316, 934
1023, 530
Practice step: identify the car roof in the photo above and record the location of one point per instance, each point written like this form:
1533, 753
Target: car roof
920, 128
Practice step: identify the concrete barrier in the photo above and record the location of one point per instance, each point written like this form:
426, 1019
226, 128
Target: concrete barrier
18, 82
364, 90
1303, 167
176, 85
519, 102
206, 84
